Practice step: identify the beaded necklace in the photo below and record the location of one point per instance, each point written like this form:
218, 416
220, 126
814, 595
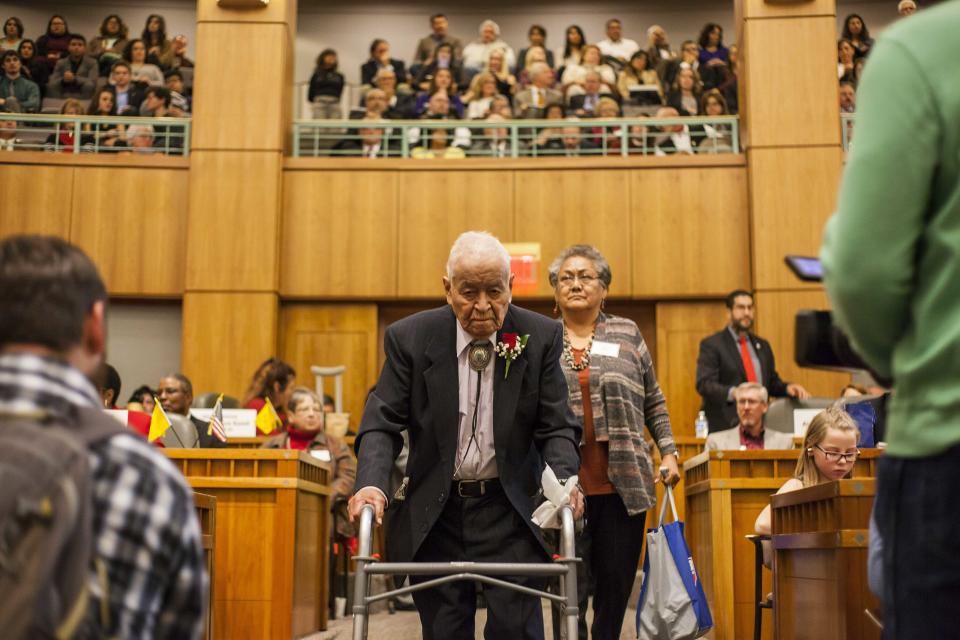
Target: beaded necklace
568, 352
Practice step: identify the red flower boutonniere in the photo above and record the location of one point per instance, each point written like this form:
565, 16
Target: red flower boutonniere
511, 345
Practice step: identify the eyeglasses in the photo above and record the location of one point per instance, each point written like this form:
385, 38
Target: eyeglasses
748, 402
567, 279
837, 456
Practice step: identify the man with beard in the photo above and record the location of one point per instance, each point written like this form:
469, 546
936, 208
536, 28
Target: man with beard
733, 356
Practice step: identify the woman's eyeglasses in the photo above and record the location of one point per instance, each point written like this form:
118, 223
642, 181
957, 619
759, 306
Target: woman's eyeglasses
567, 279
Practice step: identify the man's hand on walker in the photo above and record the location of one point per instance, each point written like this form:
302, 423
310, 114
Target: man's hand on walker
367, 495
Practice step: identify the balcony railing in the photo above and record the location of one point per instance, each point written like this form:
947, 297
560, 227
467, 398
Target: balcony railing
94, 134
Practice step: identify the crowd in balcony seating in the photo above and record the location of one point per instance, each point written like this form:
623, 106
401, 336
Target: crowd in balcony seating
488, 79
109, 74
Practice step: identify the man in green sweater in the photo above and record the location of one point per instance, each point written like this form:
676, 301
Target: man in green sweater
891, 258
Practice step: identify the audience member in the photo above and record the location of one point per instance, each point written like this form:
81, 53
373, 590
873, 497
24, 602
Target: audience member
735, 355
108, 47
571, 143
712, 50
495, 142
159, 48
572, 51
658, 48
728, 86
146, 558
8, 132
672, 138
476, 54
615, 45
141, 70
156, 104
442, 83
482, 91
375, 103
906, 8
752, 402
592, 61
829, 452
585, 104
18, 93
533, 101
179, 100
855, 30
31, 67
689, 59
75, 75
305, 432
497, 66
639, 72
438, 146
142, 399
326, 86
537, 35
398, 107
546, 134
427, 47
128, 94
176, 396
439, 109
179, 58
54, 44
63, 138
380, 59
608, 137
140, 139
501, 104
442, 58
12, 34
275, 380
368, 143
685, 93
716, 138
534, 55
846, 54
99, 134
640, 138
848, 97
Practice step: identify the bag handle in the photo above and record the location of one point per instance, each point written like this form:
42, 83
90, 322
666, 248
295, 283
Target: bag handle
668, 498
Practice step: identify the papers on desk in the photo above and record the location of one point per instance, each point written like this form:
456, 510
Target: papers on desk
801, 419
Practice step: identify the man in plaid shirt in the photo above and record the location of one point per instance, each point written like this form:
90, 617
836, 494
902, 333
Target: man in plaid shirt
52, 339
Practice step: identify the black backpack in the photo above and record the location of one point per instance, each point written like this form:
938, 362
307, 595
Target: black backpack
46, 524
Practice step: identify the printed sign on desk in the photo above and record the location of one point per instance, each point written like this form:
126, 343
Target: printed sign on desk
238, 423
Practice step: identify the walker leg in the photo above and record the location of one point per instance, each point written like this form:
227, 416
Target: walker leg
569, 582
361, 582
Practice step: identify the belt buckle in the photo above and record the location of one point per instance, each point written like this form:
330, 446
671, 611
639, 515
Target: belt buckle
461, 483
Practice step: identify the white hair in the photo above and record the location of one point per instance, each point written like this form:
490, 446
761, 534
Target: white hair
490, 23
477, 246
752, 386
135, 130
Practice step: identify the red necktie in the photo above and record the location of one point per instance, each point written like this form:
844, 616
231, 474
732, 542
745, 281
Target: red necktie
747, 360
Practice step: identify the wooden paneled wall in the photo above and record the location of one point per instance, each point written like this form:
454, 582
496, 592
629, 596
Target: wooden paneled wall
130, 216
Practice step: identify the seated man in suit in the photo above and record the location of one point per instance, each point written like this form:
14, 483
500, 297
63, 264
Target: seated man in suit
732, 356
585, 105
533, 101
186, 431
76, 75
398, 106
479, 435
369, 141
752, 405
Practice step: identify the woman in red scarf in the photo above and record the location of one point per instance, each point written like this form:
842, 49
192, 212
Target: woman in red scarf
305, 433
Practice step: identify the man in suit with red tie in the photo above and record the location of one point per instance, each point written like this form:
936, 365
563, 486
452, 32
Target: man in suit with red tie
732, 356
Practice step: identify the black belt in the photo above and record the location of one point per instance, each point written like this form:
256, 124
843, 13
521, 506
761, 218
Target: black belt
475, 488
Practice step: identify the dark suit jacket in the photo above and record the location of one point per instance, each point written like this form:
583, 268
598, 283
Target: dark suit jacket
719, 367
418, 392
369, 69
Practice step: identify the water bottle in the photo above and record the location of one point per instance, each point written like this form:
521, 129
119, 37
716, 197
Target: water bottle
700, 426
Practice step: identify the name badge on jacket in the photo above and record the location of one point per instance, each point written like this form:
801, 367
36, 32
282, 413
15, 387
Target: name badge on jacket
609, 349
322, 455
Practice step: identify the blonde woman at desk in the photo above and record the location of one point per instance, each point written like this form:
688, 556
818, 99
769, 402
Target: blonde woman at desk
829, 453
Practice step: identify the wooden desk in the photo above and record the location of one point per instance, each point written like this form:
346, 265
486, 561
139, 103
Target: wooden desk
247, 443
820, 539
724, 493
206, 506
271, 544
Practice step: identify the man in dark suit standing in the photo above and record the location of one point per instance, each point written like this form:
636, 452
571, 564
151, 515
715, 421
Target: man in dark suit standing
732, 356
480, 429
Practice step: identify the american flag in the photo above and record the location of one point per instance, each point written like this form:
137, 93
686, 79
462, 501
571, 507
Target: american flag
216, 421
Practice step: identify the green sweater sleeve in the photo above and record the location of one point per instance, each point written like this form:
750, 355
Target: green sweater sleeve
871, 242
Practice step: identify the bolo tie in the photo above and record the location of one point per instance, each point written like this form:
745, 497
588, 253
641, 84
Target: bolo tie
478, 357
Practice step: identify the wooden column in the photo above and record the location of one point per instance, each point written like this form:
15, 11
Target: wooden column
791, 121
241, 117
